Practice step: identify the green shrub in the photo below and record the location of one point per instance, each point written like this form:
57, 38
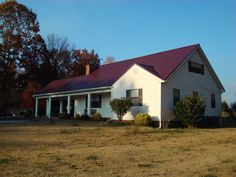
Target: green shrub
64, 116
77, 116
143, 119
120, 106
61, 115
190, 110
96, 116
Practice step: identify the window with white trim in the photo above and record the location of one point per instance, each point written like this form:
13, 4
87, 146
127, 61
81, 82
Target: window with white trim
136, 96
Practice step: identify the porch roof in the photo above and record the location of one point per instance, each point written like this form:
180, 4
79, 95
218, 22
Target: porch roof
160, 64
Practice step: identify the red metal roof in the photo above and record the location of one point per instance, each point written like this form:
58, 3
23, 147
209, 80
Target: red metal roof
160, 64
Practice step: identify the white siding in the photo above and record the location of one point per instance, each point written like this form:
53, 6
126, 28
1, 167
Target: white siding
188, 82
105, 110
80, 104
138, 78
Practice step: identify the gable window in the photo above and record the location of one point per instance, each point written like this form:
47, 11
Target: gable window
136, 96
96, 101
195, 93
213, 100
195, 67
176, 96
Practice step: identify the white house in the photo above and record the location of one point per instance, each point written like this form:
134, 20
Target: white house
153, 82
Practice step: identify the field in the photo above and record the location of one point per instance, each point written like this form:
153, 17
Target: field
120, 151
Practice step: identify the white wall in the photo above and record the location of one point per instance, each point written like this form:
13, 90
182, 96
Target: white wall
80, 104
188, 82
138, 78
105, 110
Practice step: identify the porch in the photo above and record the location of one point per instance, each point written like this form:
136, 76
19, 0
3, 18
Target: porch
83, 103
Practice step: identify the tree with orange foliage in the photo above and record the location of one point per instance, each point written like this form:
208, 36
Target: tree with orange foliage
26, 96
80, 58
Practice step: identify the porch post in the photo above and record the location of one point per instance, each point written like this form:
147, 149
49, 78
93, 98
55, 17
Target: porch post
68, 104
89, 104
48, 107
61, 107
36, 107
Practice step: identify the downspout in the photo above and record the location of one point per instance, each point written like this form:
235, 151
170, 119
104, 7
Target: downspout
160, 111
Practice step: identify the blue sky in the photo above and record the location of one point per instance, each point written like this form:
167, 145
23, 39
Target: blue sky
130, 28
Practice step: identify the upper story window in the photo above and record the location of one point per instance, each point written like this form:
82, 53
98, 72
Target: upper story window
176, 96
136, 96
213, 100
195, 93
195, 67
96, 101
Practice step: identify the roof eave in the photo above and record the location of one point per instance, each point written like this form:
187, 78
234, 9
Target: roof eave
179, 66
220, 85
71, 92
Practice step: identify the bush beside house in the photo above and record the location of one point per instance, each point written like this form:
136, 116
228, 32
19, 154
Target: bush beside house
190, 110
96, 116
120, 106
142, 119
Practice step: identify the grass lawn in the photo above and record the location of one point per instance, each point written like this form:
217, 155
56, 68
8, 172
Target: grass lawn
102, 150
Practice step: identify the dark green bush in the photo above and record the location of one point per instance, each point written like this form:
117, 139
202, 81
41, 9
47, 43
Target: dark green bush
61, 115
190, 110
64, 116
143, 119
96, 116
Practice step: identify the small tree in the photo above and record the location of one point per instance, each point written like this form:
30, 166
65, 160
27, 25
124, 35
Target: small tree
190, 110
120, 106
233, 108
226, 111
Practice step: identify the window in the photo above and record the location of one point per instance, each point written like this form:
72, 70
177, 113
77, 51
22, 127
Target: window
213, 100
136, 96
176, 96
195, 67
96, 101
195, 93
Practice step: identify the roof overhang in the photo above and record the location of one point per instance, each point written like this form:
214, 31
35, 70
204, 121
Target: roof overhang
75, 92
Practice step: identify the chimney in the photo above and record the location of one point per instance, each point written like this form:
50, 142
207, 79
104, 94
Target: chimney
87, 69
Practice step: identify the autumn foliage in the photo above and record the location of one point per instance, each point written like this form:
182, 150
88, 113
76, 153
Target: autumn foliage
28, 62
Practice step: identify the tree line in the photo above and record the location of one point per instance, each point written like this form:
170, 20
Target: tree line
28, 61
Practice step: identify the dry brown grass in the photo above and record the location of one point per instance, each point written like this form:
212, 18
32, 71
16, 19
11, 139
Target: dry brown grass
57, 150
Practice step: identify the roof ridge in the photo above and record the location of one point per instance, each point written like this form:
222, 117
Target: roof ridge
151, 54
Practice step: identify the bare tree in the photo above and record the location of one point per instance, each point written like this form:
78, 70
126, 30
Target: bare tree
59, 57
109, 59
